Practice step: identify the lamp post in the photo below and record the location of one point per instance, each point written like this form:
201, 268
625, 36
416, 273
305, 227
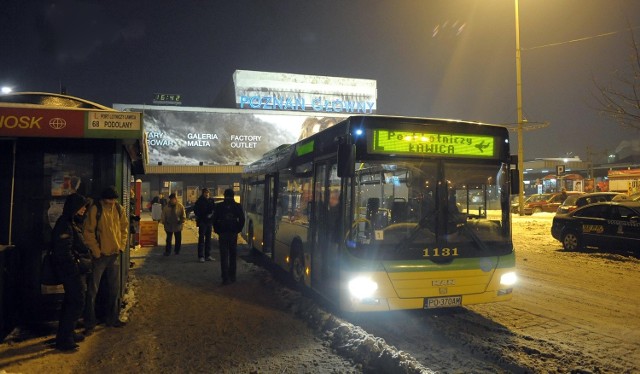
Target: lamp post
520, 119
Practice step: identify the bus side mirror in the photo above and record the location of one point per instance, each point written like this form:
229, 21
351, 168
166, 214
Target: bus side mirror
346, 159
515, 181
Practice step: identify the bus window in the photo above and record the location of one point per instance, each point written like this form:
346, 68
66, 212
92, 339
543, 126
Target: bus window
397, 208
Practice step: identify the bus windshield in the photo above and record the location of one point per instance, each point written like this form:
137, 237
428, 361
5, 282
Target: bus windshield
417, 209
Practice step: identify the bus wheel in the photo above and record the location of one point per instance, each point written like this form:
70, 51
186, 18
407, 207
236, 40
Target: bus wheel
297, 266
571, 241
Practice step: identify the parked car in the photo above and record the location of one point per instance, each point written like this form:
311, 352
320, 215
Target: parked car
527, 200
635, 196
574, 202
548, 203
607, 225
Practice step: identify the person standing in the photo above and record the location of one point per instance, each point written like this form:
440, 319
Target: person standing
159, 199
106, 229
72, 262
173, 217
228, 223
203, 209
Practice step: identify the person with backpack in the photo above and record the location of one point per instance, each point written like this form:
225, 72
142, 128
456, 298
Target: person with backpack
173, 217
228, 223
106, 230
72, 262
203, 209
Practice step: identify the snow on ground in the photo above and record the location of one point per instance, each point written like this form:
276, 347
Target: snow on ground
181, 320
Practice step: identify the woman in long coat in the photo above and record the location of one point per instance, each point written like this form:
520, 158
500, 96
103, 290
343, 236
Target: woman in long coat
69, 253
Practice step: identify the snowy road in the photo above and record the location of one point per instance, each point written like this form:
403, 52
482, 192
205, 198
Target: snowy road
571, 312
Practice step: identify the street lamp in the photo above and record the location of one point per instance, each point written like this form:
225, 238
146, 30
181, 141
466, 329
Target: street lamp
6, 89
520, 119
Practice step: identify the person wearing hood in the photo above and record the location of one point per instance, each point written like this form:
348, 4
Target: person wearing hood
173, 217
72, 259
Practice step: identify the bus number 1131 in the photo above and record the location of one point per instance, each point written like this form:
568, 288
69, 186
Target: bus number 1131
440, 252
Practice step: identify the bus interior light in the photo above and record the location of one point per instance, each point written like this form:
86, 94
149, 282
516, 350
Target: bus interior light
362, 288
508, 279
358, 132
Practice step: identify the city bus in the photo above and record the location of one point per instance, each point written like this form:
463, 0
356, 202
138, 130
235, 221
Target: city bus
381, 213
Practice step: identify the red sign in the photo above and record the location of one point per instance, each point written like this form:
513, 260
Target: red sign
50, 123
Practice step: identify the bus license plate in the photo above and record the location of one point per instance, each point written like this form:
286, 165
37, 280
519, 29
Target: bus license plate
442, 302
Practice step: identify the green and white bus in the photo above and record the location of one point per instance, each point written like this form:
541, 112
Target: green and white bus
384, 213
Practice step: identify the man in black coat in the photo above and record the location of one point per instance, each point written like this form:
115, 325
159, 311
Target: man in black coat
228, 223
203, 209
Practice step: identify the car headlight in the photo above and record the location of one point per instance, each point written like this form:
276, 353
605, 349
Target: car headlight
508, 279
362, 287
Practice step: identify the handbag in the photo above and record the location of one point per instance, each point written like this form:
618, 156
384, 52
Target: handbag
48, 274
85, 263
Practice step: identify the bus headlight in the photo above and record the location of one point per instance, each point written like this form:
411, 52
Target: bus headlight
508, 279
362, 287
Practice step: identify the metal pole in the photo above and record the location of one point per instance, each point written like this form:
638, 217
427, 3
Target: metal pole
520, 119
13, 191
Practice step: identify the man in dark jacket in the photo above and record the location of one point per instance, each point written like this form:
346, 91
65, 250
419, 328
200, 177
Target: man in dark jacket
228, 223
72, 261
203, 209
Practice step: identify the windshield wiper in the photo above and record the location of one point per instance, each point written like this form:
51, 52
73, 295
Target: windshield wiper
475, 238
419, 226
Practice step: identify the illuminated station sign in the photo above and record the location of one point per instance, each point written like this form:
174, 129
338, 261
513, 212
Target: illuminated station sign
270, 91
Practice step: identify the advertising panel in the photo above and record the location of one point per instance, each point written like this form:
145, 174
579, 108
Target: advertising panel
188, 136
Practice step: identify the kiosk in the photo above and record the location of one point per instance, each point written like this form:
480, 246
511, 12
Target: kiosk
51, 146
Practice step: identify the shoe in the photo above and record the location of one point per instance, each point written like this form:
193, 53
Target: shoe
78, 337
67, 347
201, 259
117, 324
210, 258
177, 253
226, 282
88, 331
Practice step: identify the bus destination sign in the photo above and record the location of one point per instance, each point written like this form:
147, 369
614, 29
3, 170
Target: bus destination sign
386, 141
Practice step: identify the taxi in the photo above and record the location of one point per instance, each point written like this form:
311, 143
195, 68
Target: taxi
606, 225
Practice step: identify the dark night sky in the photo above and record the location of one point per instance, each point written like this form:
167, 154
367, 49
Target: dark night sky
436, 58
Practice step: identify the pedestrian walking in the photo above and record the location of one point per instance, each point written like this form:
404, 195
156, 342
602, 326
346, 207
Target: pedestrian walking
203, 209
106, 229
228, 223
173, 217
72, 261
